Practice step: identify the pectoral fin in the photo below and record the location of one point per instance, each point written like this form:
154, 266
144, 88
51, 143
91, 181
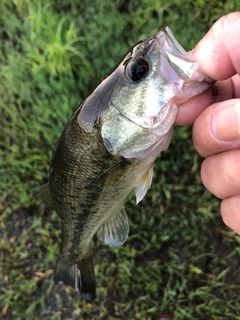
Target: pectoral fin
145, 183
114, 232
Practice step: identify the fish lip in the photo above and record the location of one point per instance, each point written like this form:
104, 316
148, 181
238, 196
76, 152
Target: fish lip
209, 80
174, 52
168, 42
175, 62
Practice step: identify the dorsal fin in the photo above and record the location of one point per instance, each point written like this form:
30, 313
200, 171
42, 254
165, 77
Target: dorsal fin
45, 196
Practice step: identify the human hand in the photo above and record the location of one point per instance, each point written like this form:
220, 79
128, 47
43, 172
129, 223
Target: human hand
216, 117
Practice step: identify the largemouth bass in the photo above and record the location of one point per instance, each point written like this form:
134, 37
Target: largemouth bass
109, 146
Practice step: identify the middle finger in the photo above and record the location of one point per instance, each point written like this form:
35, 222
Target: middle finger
220, 173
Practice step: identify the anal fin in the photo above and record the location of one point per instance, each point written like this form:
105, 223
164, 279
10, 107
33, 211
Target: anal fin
114, 231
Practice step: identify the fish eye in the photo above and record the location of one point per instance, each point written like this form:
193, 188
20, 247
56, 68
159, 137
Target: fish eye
136, 69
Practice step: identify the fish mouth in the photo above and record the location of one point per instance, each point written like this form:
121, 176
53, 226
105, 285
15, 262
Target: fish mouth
178, 64
168, 42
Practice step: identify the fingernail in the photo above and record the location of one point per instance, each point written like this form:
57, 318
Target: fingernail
226, 123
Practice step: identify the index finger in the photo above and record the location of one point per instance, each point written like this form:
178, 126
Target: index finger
218, 53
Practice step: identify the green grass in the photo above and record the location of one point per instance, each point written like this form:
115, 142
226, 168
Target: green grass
179, 256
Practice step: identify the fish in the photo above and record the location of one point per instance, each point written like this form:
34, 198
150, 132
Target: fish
109, 146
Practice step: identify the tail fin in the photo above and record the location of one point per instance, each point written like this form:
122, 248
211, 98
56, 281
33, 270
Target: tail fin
86, 279
79, 276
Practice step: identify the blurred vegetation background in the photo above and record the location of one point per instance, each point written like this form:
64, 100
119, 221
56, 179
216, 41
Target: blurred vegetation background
179, 258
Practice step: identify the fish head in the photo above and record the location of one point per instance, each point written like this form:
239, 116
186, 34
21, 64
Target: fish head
136, 104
